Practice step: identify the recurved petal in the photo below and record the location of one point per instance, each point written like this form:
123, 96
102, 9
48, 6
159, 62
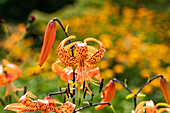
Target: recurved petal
66, 74
49, 38
56, 68
164, 109
64, 56
140, 106
165, 89
99, 54
108, 94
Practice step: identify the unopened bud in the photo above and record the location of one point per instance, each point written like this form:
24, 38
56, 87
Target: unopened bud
165, 89
49, 38
31, 19
108, 94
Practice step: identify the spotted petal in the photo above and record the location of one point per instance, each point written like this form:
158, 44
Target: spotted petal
99, 54
64, 56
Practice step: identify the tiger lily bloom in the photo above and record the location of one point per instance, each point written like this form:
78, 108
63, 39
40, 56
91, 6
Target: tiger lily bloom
45, 105
10, 72
150, 107
165, 89
85, 58
107, 95
49, 38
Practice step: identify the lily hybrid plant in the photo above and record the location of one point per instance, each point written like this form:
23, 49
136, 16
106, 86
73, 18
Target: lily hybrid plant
78, 71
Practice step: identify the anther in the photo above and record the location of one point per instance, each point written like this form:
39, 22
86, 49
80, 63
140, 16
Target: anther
85, 93
79, 101
64, 99
101, 85
25, 90
84, 85
92, 96
67, 92
68, 85
2, 102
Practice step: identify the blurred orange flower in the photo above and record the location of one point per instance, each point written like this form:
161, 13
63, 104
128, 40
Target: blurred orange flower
10, 72
150, 107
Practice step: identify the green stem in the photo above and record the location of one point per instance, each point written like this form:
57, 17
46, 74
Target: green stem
4, 26
18, 43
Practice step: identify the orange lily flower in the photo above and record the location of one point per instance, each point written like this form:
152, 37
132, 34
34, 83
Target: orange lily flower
49, 38
165, 89
150, 107
45, 105
107, 95
85, 58
10, 72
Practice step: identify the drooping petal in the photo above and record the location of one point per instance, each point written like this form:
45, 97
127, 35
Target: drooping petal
99, 54
15, 107
165, 89
12, 66
13, 72
49, 38
64, 56
108, 94
95, 73
66, 74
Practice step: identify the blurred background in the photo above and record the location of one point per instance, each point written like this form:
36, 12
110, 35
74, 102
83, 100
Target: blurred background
136, 35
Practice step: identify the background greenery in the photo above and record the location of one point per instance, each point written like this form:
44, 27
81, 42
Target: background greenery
135, 33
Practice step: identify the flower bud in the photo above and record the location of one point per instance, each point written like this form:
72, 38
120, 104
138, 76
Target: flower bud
49, 38
31, 19
165, 89
108, 94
